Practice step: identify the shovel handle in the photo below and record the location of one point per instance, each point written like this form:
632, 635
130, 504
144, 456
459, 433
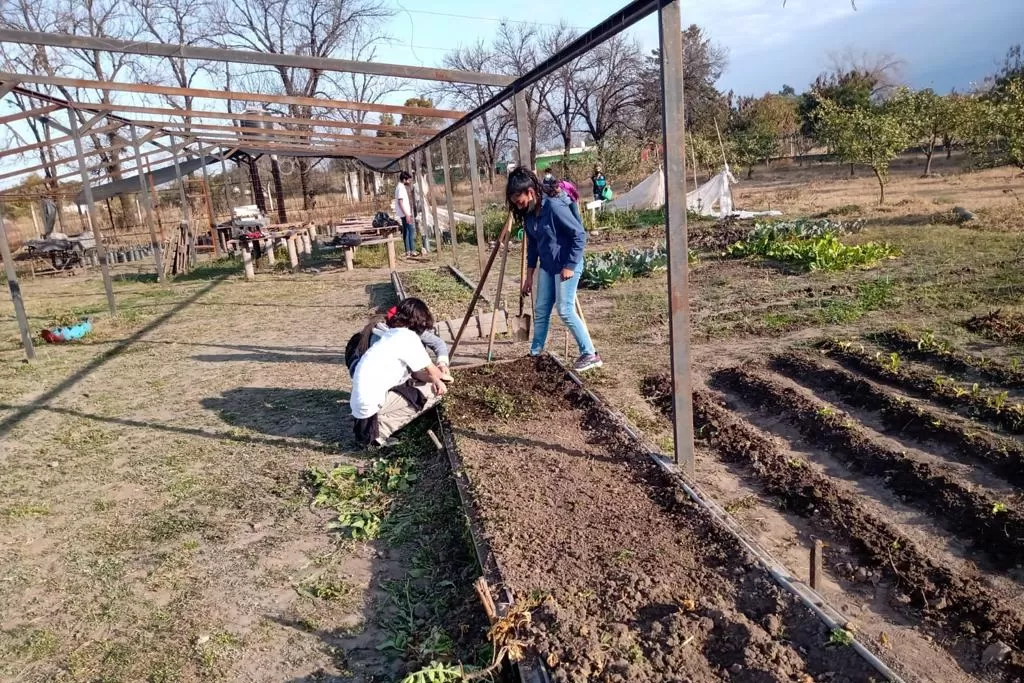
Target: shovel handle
480, 285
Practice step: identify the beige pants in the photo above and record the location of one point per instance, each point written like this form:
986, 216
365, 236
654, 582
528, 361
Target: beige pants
396, 411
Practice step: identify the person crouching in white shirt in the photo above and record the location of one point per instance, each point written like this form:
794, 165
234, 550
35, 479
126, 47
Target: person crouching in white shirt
395, 381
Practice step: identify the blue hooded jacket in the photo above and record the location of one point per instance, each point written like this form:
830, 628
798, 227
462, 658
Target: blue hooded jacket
557, 237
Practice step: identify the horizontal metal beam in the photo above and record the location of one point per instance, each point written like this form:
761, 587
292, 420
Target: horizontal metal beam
173, 91
251, 57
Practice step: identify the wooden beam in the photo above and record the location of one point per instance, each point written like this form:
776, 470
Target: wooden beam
254, 133
335, 150
251, 57
56, 141
412, 131
40, 111
116, 86
72, 161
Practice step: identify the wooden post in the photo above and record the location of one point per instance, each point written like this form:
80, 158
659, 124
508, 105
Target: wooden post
250, 272
497, 295
15, 289
428, 169
35, 220
474, 181
147, 204
293, 255
269, 248
348, 258
816, 572
448, 199
307, 243
101, 250
392, 261
209, 204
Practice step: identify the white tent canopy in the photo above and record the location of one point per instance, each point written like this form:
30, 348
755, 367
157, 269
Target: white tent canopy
713, 198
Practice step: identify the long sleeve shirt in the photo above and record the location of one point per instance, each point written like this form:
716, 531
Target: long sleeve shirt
556, 235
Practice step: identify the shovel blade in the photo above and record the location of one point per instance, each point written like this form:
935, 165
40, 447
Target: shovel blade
521, 327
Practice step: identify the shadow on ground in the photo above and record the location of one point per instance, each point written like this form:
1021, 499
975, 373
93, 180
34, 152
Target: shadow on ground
317, 414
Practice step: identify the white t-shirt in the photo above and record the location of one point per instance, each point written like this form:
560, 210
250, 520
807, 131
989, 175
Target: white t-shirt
387, 363
402, 201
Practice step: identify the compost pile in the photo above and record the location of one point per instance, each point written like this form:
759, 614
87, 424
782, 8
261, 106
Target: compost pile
633, 581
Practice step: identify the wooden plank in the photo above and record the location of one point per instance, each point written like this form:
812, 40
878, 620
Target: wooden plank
236, 96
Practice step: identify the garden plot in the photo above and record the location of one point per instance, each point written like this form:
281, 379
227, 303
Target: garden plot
628, 579
910, 472
445, 294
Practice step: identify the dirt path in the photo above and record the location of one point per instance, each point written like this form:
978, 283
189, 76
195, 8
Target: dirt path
155, 521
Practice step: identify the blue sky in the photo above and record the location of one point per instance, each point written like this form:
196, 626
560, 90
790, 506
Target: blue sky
945, 43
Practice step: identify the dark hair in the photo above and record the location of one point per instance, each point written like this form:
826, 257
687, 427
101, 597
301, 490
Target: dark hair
520, 180
403, 176
413, 314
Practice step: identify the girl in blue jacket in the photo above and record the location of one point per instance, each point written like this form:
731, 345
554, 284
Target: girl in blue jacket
556, 241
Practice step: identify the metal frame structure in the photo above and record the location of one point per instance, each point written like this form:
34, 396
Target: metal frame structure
317, 137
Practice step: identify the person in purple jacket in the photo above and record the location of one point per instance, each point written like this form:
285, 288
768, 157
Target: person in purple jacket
556, 241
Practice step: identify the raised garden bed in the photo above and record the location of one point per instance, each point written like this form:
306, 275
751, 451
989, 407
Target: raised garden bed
631, 579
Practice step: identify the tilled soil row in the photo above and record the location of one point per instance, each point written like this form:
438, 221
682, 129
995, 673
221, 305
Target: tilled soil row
963, 511
635, 582
925, 386
1002, 456
957, 607
950, 360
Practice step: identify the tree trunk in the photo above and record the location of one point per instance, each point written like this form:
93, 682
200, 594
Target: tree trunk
275, 174
928, 161
304, 182
852, 174
750, 172
257, 186
948, 144
881, 187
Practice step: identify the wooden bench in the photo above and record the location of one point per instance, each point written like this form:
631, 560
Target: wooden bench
369, 235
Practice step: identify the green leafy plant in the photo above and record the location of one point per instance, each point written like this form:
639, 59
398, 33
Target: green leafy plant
840, 636
601, 271
999, 507
809, 245
362, 525
436, 672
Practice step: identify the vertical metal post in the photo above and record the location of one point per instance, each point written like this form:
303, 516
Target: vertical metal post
209, 204
448, 198
432, 196
674, 133
101, 250
523, 130
158, 248
474, 181
15, 288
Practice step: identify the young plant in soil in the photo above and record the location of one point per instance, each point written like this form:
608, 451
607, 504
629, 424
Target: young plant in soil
1003, 456
964, 511
974, 401
956, 604
929, 348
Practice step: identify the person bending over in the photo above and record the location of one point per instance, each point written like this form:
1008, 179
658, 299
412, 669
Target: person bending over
556, 241
376, 329
394, 381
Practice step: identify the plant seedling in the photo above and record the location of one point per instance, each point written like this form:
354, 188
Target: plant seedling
999, 507
840, 636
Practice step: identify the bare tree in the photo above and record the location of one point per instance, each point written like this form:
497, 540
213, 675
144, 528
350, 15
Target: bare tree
318, 28
494, 126
184, 22
516, 52
884, 69
563, 102
609, 88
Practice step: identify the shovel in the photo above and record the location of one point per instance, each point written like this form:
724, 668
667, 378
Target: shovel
520, 325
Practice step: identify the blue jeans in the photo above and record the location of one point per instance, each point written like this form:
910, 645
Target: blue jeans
408, 235
552, 290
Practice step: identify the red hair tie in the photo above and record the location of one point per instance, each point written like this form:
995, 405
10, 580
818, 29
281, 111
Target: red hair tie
391, 312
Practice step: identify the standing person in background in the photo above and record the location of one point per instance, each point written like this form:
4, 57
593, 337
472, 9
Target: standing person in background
403, 212
599, 182
551, 182
557, 241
